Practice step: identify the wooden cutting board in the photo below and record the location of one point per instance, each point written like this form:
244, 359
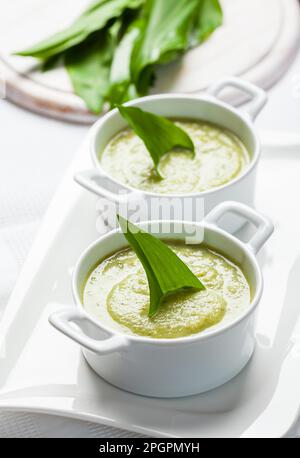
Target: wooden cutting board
257, 41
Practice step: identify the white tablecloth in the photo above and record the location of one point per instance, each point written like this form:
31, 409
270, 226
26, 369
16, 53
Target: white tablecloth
34, 154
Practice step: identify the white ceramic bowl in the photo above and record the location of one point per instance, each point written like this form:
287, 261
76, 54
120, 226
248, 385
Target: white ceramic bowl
170, 367
207, 108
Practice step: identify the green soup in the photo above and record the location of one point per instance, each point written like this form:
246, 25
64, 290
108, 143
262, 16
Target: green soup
116, 293
220, 158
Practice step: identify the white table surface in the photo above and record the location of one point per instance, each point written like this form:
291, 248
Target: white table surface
34, 155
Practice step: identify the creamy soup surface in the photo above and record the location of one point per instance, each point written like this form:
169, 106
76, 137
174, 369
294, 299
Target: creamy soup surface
117, 294
220, 158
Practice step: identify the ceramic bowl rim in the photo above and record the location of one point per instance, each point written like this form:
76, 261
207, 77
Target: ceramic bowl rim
100, 124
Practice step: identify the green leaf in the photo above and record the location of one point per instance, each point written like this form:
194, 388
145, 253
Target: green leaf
209, 19
93, 6
146, 33
167, 32
88, 66
160, 135
121, 89
166, 273
94, 19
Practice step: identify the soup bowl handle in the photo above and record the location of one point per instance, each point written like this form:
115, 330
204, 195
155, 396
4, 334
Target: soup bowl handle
264, 227
259, 96
64, 320
91, 180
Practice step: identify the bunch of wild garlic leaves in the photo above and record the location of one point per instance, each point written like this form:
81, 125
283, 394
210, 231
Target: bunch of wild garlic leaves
112, 50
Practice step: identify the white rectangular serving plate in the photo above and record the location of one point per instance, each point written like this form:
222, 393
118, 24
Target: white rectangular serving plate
43, 371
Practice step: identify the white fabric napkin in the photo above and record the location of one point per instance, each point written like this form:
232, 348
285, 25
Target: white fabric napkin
24, 425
